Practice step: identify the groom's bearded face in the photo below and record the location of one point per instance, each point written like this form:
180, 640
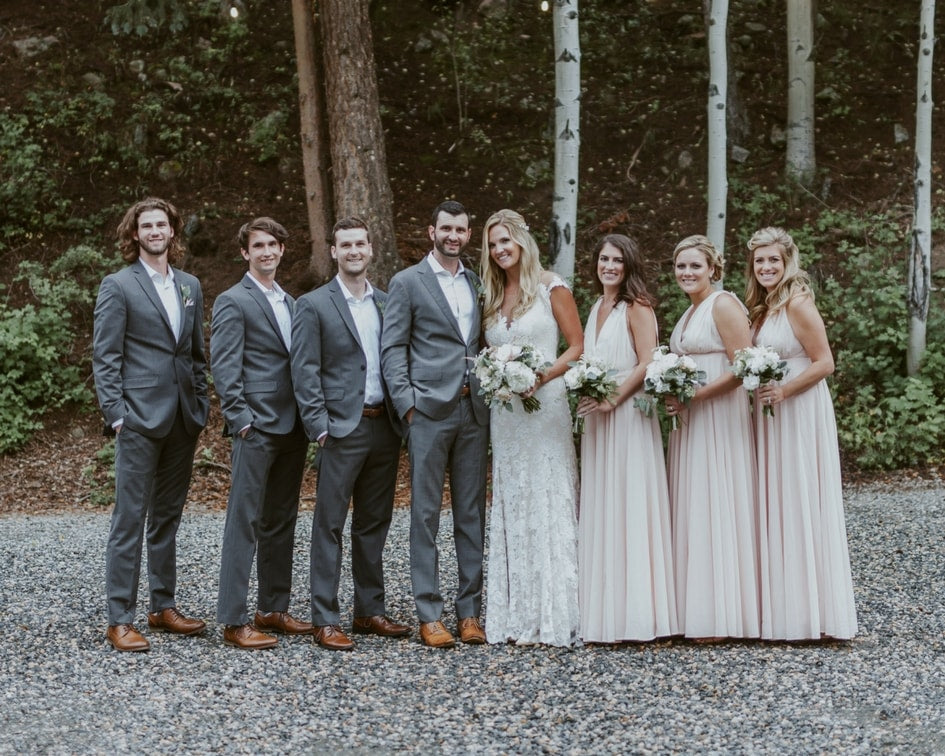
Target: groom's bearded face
451, 234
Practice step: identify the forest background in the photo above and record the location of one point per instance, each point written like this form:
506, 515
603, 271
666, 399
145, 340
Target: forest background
207, 116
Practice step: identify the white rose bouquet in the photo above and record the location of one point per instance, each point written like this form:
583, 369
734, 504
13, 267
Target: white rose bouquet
592, 378
669, 374
756, 366
509, 370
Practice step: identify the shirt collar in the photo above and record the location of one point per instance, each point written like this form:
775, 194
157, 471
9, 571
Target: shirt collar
439, 269
153, 272
368, 291
276, 292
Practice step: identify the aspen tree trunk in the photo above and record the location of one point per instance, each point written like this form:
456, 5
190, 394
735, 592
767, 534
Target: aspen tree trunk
801, 163
358, 158
567, 136
314, 139
718, 78
920, 256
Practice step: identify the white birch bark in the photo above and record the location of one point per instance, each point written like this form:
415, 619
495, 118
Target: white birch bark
567, 136
718, 78
920, 256
801, 162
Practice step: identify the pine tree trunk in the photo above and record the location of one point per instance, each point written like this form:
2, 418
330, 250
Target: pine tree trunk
718, 81
801, 162
567, 136
314, 139
358, 157
920, 257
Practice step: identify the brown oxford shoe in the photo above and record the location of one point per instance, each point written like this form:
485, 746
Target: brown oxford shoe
282, 622
333, 638
435, 635
172, 621
379, 625
247, 636
470, 631
126, 638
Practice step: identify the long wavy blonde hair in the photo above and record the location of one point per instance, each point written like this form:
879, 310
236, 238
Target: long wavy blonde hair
794, 282
493, 277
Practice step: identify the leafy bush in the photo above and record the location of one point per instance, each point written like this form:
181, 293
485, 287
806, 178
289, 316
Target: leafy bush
38, 370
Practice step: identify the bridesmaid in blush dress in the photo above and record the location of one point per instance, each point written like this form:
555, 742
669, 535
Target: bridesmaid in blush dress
806, 585
712, 461
625, 567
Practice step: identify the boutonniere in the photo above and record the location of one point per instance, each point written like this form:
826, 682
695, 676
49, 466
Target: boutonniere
480, 292
380, 306
185, 296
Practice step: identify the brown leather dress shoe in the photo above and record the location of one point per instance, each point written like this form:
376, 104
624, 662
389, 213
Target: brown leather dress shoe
282, 622
247, 636
379, 625
470, 631
333, 638
126, 638
435, 635
172, 621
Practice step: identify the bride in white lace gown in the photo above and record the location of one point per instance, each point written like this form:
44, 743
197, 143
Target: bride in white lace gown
532, 584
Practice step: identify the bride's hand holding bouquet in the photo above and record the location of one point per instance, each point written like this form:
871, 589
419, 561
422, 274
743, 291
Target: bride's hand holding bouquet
510, 370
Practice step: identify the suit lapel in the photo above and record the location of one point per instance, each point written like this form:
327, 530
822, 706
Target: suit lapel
257, 295
341, 304
147, 286
428, 277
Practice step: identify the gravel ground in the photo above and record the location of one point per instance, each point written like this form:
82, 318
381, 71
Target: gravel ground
63, 690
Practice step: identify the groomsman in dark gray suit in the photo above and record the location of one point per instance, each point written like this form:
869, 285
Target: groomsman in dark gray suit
250, 338
431, 332
150, 377
336, 371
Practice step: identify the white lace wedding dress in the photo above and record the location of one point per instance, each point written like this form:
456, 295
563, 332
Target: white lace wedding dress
532, 593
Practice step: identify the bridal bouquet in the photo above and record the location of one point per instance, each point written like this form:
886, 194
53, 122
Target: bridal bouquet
508, 370
669, 374
759, 365
590, 377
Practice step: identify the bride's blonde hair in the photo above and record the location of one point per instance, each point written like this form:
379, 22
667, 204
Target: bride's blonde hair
493, 277
794, 282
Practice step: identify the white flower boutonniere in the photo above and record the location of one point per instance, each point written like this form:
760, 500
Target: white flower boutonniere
185, 296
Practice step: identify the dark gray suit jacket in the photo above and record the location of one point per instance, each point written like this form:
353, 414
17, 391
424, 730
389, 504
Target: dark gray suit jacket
328, 363
142, 372
250, 361
425, 357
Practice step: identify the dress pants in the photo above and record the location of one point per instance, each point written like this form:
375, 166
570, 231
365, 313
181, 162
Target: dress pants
261, 513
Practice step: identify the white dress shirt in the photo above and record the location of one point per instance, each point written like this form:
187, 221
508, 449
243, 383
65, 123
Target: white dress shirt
458, 294
368, 322
280, 308
164, 286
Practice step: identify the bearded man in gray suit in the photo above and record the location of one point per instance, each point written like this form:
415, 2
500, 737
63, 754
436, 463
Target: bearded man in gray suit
150, 377
336, 371
250, 339
431, 333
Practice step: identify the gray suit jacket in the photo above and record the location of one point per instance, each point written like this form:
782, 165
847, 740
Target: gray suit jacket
142, 372
425, 358
328, 363
250, 361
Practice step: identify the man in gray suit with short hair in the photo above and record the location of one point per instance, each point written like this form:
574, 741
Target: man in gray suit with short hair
431, 333
336, 371
250, 340
150, 377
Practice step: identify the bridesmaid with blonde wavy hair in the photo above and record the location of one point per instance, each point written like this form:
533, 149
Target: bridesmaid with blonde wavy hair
806, 584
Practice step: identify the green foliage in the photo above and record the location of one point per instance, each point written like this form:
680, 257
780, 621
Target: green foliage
142, 16
269, 135
885, 420
38, 371
99, 475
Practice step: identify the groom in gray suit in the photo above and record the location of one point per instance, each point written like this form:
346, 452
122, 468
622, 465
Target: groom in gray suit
336, 370
249, 350
150, 377
431, 333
